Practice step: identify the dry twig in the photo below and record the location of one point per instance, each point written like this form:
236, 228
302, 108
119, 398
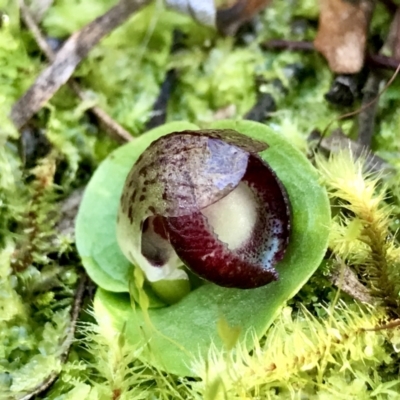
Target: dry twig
342, 33
74, 50
39, 9
374, 60
66, 344
113, 128
366, 119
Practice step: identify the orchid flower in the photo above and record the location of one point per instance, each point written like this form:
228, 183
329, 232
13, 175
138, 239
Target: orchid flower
207, 200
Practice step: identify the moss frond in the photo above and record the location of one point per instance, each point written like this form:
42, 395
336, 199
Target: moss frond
11, 305
36, 223
344, 240
363, 235
305, 357
30, 332
35, 292
111, 369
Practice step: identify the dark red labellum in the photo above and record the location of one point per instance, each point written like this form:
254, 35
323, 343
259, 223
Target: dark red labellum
205, 198
252, 264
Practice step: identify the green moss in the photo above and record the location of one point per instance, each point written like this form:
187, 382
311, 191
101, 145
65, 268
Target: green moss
66, 17
123, 75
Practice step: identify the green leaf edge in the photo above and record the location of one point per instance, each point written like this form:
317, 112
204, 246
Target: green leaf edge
178, 334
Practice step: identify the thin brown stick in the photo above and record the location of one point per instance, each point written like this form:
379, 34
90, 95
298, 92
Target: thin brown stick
74, 50
366, 105
76, 309
39, 9
371, 96
66, 344
282, 44
31, 24
41, 388
374, 60
113, 128
366, 119
390, 325
384, 62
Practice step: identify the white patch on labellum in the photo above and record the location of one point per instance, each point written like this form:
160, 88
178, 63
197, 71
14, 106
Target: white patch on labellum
273, 243
233, 217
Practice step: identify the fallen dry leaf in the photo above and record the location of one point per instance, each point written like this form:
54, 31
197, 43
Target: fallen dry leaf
342, 33
347, 281
230, 18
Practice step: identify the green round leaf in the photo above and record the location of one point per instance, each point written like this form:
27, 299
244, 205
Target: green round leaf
171, 337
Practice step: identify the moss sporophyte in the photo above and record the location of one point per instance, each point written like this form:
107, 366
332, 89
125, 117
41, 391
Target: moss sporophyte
200, 226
